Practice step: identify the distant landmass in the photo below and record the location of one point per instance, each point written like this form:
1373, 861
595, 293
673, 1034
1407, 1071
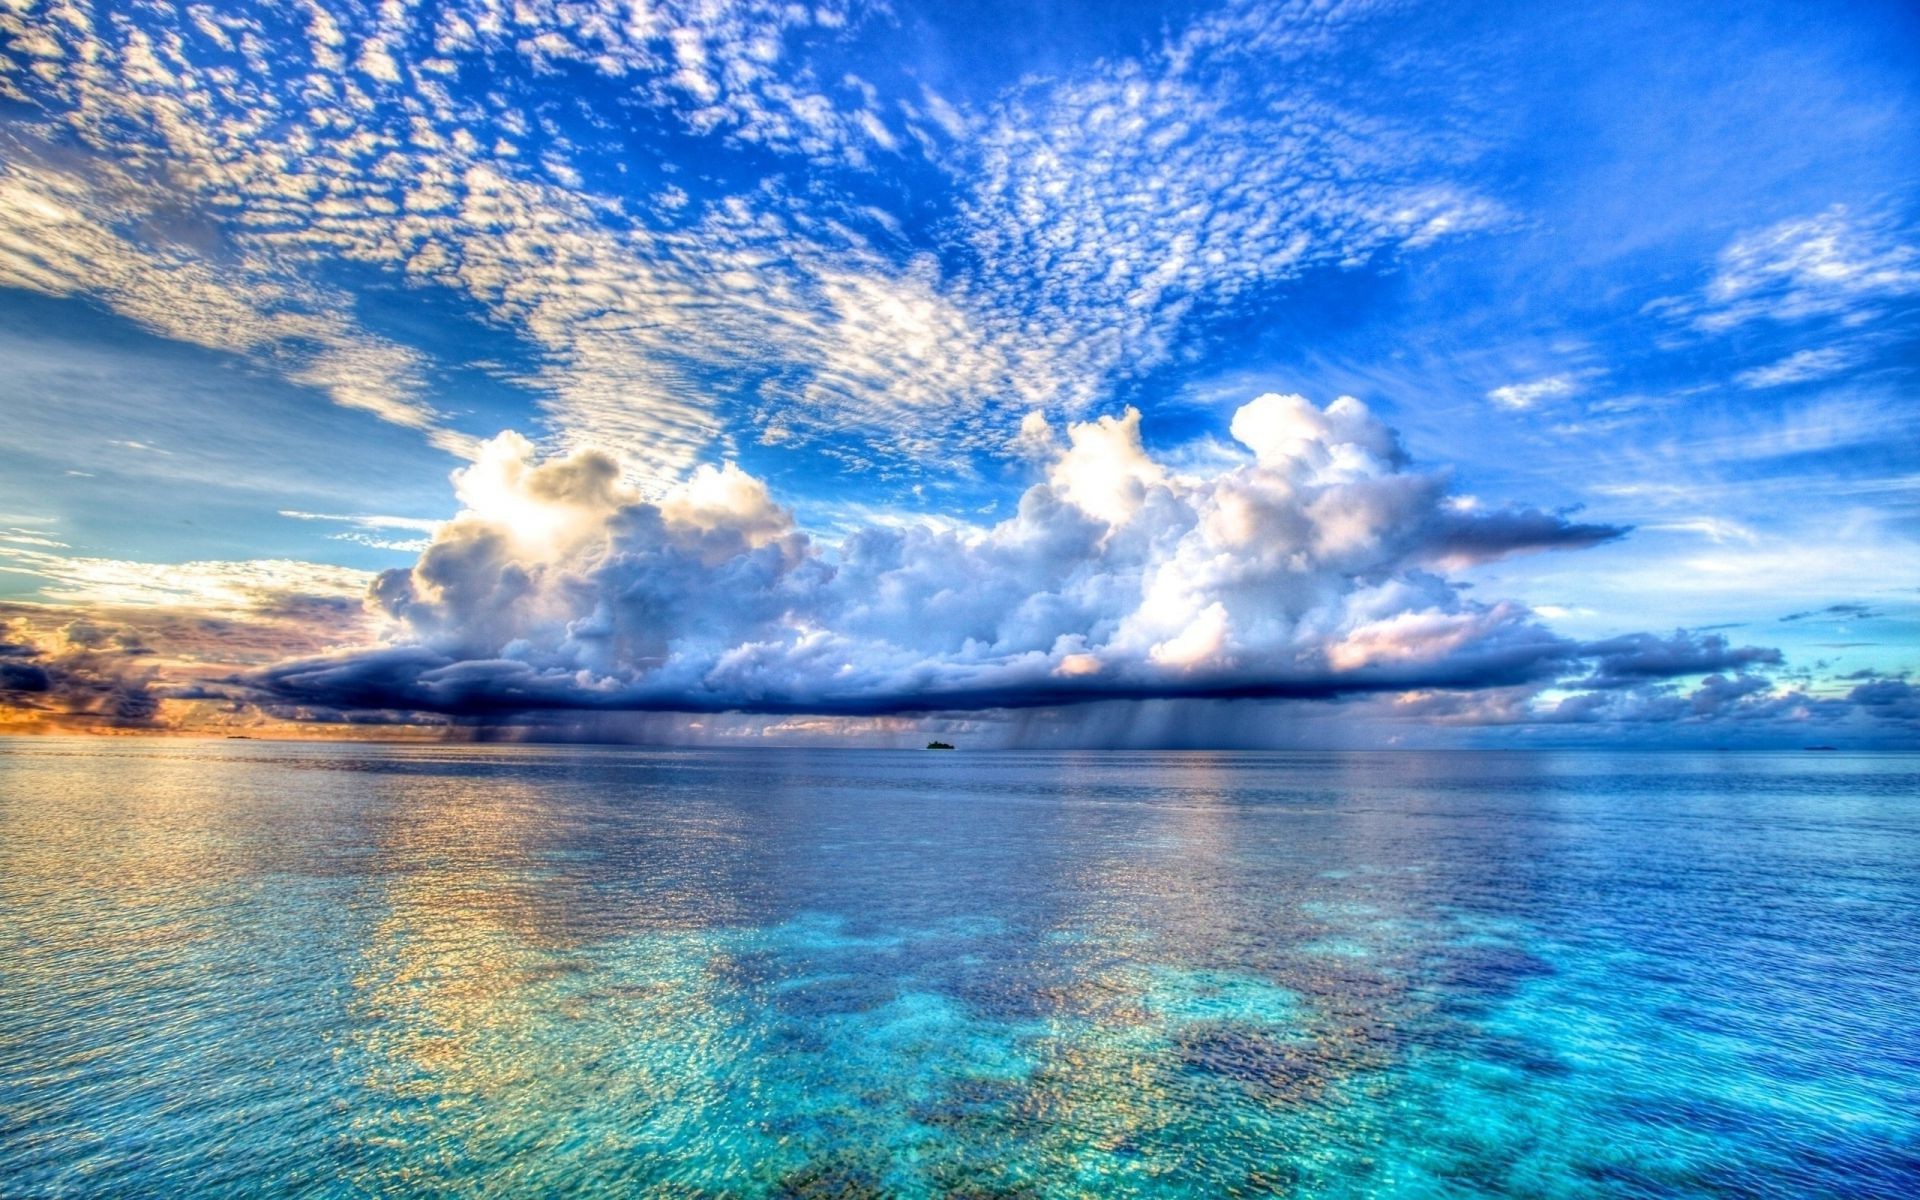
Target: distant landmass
939, 746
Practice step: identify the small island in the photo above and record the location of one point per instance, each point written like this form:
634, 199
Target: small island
939, 745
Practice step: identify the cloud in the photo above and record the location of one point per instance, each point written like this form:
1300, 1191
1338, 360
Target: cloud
1111, 208
214, 586
183, 639
1838, 612
1799, 367
203, 175
1889, 699
719, 68
27, 537
1035, 439
852, 265
1636, 658
1720, 711
373, 529
1716, 529
1730, 708
59, 237
159, 666
1525, 395
1834, 264
117, 645
80, 682
1462, 539
1742, 709
213, 169
1305, 568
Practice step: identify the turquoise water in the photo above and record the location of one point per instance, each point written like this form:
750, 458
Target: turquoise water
246, 968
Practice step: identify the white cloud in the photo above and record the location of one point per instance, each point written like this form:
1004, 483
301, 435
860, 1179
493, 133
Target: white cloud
23, 537
1799, 367
1034, 440
1717, 529
1104, 471
366, 520
58, 237
1822, 425
1303, 567
373, 529
226, 587
1834, 264
1519, 396
1108, 207
1098, 212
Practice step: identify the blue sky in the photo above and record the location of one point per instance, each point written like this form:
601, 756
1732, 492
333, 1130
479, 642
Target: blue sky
853, 295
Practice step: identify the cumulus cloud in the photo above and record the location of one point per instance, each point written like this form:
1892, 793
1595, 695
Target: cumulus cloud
1307, 567
1889, 699
1636, 658
1741, 706
83, 677
158, 660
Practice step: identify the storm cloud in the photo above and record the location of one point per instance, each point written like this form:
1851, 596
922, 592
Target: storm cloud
86, 678
1637, 658
1312, 566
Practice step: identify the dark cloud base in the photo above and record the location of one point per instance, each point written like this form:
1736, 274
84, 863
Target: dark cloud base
416, 679
1631, 693
1309, 571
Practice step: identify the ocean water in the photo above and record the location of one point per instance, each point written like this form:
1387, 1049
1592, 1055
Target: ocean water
247, 969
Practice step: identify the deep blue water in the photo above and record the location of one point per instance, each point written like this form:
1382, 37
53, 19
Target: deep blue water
247, 968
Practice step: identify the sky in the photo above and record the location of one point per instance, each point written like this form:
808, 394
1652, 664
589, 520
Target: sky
1045, 374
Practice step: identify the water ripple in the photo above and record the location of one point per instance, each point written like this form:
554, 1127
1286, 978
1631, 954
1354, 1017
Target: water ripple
246, 968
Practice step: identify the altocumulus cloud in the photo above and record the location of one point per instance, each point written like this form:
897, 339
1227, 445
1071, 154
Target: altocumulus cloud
1313, 566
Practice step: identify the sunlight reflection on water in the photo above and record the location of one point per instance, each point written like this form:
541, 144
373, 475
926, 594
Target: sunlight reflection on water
343, 970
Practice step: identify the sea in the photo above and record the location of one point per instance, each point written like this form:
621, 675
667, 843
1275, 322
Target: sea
249, 968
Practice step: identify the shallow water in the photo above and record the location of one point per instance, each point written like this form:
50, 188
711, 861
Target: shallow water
246, 968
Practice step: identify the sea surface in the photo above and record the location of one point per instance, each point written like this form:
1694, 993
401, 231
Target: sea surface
242, 968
